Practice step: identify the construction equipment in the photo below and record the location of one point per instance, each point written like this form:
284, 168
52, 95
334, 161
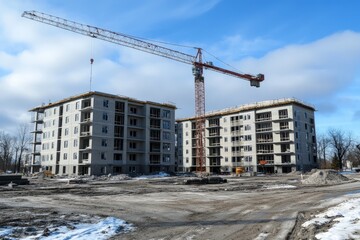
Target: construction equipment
132, 42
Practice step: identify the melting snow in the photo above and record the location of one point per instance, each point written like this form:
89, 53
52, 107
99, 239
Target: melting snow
278, 186
102, 230
346, 218
261, 236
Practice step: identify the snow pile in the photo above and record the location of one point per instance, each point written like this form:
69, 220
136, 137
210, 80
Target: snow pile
104, 229
345, 218
321, 177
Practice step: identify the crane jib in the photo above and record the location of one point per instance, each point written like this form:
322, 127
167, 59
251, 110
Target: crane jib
110, 36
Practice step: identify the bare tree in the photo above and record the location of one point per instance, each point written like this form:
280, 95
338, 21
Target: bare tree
354, 156
6, 150
341, 143
323, 145
22, 144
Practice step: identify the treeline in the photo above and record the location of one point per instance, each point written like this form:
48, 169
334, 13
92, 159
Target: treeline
338, 150
14, 149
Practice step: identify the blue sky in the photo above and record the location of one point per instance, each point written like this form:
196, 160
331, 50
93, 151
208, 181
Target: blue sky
309, 50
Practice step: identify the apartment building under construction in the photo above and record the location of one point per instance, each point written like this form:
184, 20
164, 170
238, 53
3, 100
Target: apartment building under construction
276, 136
99, 133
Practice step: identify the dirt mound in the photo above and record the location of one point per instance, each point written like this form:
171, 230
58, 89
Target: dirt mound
325, 177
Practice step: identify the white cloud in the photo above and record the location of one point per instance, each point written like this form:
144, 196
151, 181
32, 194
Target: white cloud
311, 70
232, 48
320, 73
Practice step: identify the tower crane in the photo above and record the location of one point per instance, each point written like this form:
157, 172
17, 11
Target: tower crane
196, 61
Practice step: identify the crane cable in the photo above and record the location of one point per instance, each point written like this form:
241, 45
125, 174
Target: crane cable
223, 61
91, 62
186, 46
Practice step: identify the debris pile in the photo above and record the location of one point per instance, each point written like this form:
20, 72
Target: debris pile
322, 177
13, 179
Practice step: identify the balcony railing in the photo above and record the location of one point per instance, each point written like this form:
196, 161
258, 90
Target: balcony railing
283, 139
268, 162
264, 140
267, 129
84, 134
261, 119
261, 151
214, 134
154, 161
86, 121
214, 144
213, 125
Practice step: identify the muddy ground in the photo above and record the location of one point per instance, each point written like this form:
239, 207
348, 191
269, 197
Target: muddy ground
262, 207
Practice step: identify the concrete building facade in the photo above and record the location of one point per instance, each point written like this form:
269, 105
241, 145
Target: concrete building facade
97, 133
276, 136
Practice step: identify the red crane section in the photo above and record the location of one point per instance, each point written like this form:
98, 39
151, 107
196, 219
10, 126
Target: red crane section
133, 42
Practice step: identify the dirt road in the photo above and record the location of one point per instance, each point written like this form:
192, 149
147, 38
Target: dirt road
243, 208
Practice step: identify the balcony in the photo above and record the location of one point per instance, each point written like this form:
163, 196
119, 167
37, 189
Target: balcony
288, 152
86, 121
266, 129
155, 161
85, 134
135, 150
37, 131
215, 164
85, 148
155, 126
155, 115
282, 118
264, 140
214, 135
214, 145
268, 162
264, 151
263, 119
284, 139
137, 113
36, 142
212, 155
234, 123
214, 126
86, 108
39, 119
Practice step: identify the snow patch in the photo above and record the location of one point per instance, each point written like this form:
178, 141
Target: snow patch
346, 219
101, 230
279, 186
262, 236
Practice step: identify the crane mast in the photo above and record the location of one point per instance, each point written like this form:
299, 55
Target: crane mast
132, 42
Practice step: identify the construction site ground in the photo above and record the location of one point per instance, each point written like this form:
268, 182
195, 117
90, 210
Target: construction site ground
261, 207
